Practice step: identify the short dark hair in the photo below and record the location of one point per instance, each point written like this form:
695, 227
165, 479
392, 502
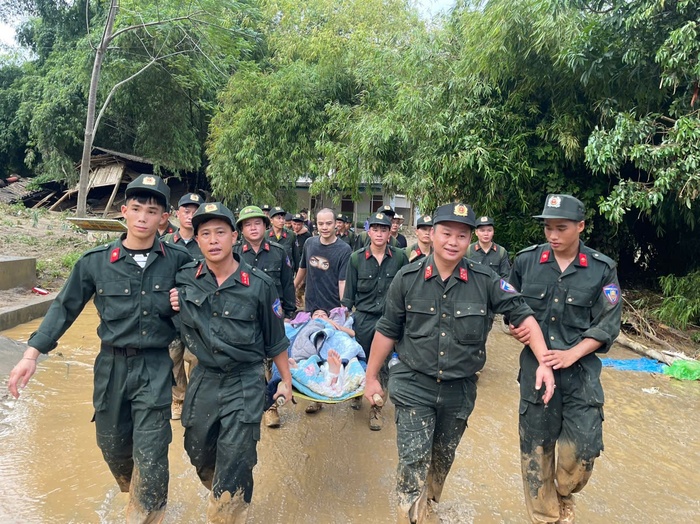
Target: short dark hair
146, 198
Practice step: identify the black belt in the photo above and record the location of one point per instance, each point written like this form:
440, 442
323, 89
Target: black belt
125, 352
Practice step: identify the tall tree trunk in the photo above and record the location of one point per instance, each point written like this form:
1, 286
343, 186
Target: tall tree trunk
92, 102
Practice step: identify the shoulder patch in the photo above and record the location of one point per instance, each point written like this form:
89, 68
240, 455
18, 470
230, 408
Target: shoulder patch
612, 293
277, 308
507, 287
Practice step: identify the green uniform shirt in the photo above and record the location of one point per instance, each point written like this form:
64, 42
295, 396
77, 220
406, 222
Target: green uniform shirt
288, 241
582, 302
273, 260
414, 253
239, 322
362, 240
441, 327
367, 282
348, 238
496, 258
133, 303
191, 246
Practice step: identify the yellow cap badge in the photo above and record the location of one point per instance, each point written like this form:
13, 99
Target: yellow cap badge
379, 216
210, 207
194, 197
427, 218
484, 219
554, 201
149, 181
461, 210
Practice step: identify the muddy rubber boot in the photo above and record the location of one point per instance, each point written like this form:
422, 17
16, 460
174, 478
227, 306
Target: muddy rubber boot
272, 417
356, 403
376, 421
566, 510
314, 407
176, 410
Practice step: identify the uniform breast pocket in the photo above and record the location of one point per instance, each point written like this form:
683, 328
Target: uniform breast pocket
159, 290
577, 308
536, 297
420, 317
239, 324
114, 299
470, 322
365, 285
274, 273
191, 302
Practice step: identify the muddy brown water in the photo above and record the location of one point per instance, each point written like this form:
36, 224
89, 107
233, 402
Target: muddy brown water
329, 468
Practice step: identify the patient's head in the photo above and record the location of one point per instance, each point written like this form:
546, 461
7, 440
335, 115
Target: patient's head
320, 313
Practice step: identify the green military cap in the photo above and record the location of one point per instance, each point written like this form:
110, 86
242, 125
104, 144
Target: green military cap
379, 219
252, 212
344, 218
151, 184
189, 198
288, 217
457, 212
277, 210
484, 221
424, 221
387, 210
563, 206
212, 210
265, 207
297, 218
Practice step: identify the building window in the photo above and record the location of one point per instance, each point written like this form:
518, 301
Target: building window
347, 206
377, 202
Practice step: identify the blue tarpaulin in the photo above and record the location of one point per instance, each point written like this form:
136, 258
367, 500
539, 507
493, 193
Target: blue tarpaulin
645, 365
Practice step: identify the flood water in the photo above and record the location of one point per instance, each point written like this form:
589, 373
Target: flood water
330, 468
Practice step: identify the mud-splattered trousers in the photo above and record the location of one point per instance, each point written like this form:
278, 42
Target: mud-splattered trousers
133, 372
132, 399
231, 328
440, 328
431, 417
581, 302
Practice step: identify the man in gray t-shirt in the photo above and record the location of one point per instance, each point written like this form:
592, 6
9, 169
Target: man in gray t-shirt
323, 265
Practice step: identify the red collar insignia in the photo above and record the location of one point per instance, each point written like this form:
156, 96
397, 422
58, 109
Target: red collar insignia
388, 251
463, 273
368, 253
266, 246
583, 260
245, 248
271, 233
477, 247
418, 252
544, 257
114, 255
428, 272
245, 279
199, 270
162, 248
177, 237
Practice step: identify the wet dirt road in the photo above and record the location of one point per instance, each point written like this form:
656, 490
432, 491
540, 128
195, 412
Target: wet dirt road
329, 468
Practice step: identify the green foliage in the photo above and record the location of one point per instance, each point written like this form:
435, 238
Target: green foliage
681, 303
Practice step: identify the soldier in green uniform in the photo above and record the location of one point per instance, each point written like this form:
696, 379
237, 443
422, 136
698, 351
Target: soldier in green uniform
362, 239
436, 313
232, 321
575, 294
367, 280
184, 236
485, 251
342, 225
283, 236
266, 255
424, 246
129, 279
